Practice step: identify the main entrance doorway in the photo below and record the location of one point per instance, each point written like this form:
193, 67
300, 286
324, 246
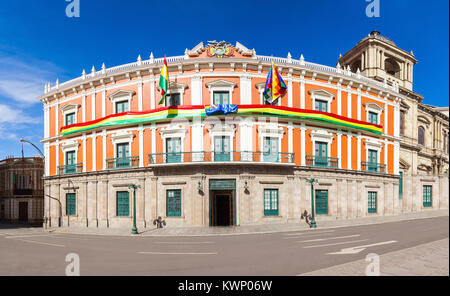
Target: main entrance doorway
222, 202
23, 211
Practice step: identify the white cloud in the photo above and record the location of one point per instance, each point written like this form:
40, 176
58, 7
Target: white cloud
14, 116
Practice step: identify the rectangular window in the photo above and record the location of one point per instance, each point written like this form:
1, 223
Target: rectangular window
122, 107
372, 202
70, 163
372, 159
427, 196
373, 117
221, 97
222, 148
321, 202
173, 99
270, 149
71, 204
123, 203
321, 105
70, 118
270, 202
400, 186
173, 149
173, 203
321, 154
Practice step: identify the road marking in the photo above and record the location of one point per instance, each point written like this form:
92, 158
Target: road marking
342, 243
183, 243
327, 238
28, 235
307, 233
42, 243
355, 250
163, 253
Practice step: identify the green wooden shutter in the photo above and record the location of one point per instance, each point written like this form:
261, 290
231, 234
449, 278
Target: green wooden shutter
372, 202
373, 117
321, 202
270, 202
427, 196
123, 203
173, 203
71, 204
70, 118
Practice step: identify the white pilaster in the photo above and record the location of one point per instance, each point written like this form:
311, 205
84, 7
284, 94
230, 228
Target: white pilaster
246, 90
302, 145
349, 103
103, 102
152, 92
196, 91
47, 159
93, 106
290, 137
385, 127
349, 151
83, 107
141, 146
153, 138
302, 93
396, 121
104, 149
339, 101
84, 153
94, 151
396, 158
56, 118
359, 104
289, 90
140, 97
358, 152
339, 150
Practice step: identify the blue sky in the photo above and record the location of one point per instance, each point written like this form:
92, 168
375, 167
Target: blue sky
39, 43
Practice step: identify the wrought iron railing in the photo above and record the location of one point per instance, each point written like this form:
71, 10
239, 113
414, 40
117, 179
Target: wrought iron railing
373, 167
321, 161
122, 162
221, 156
70, 169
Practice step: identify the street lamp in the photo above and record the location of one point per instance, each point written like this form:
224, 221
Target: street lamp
313, 220
134, 187
25, 141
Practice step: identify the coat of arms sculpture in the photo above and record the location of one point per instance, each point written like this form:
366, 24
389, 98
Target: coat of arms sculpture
219, 49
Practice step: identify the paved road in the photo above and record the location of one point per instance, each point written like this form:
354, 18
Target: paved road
33, 252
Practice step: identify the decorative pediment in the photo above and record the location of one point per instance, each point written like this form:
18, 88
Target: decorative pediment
424, 120
373, 107
244, 50
321, 135
121, 137
270, 131
403, 105
69, 107
221, 83
404, 164
321, 93
173, 131
424, 168
121, 93
70, 145
175, 86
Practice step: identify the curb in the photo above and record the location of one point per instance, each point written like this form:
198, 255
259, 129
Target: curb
305, 228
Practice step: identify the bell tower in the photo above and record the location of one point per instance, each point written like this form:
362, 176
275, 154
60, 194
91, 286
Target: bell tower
379, 58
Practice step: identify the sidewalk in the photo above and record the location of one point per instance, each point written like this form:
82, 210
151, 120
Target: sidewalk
430, 259
249, 229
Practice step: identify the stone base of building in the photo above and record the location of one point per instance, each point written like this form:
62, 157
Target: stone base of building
233, 194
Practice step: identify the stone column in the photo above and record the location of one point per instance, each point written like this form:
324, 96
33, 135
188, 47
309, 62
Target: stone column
92, 203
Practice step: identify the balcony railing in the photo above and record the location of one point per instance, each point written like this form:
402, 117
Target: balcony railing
122, 162
321, 161
373, 167
222, 156
70, 169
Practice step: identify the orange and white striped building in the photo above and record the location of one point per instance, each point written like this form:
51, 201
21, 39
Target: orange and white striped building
105, 131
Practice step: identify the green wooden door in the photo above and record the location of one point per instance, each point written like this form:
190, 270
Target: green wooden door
221, 97
372, 202
270, 149
372, 161
123, 153
270, 202
173, 146
321, 154
70, 167
71, 204
173, 203
321, 202
427, 196
221, 148
123, 203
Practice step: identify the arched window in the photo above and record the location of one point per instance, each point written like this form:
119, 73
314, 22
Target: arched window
355, 66
392, 67
421, 135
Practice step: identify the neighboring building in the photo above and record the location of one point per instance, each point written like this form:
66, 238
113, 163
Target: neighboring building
424, 129
22, 190
106, 130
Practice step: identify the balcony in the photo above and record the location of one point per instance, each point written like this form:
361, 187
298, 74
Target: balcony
228, 156
122, 162
70, 169
320, 161
22, 191
373, 167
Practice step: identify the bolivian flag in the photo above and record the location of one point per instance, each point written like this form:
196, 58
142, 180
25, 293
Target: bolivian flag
164, 81
275, 85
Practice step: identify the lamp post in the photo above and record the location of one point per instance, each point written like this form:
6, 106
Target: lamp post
25, 141
134, 187
313, 220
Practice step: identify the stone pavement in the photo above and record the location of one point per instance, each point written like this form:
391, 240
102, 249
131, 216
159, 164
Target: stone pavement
251, 229
430, 259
